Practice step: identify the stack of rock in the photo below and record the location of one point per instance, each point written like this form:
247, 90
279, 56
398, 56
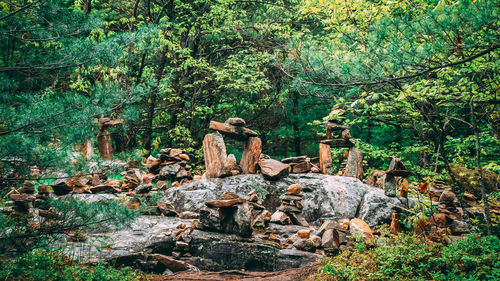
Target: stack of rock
396, 171
171, 164
232, 215
22, 197
217, 162
291, 207
41, 197
302, 164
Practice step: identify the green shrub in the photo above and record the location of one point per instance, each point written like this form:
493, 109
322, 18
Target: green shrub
43, 265
410, 257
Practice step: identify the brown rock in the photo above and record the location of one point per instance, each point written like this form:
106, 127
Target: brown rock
289, 209
236, 121
251, 154
304, 233
235, 132
103, 188
315, 169
294, 189
96, 180
273, 170
184, 156
338, 142
60, 187
360, 226
43, 189
105, 145
161, 185
133, 203
354, 167
280, 218
166, 208
231, 168
316, 240
171, 263
304, 245
325, 158
28, 187
214, 151
22, 197
303, 167
330, 239
438, 219
447, 197
395, 224
224, 203
229, 196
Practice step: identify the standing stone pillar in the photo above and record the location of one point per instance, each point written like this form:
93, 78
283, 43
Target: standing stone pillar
325, 158
354, 166
389, 181
214, 152
105, 144
88, 149
251, 155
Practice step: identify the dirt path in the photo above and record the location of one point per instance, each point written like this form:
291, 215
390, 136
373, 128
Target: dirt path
296, 274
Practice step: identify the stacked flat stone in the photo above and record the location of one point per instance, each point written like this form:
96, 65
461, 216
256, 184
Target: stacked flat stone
291, 207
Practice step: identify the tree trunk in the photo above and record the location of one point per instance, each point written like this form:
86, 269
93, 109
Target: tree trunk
295, 125
484, 196
152, 101
87, 6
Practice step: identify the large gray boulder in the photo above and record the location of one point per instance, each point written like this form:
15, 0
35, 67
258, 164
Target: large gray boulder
326, 197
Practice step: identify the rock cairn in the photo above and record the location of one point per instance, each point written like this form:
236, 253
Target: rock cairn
170, 164
231, 214
217, 163
338, 135
302, 164
291, 207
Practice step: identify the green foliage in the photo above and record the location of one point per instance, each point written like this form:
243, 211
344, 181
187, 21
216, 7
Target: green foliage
409, 257
20, 233
43, 265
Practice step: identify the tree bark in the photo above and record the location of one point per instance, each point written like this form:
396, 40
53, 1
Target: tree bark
152, 100
484, 196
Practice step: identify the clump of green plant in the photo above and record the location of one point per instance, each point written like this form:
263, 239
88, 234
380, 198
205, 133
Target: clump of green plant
411, 257
43, 265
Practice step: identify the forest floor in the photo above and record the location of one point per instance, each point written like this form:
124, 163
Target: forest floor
293, 274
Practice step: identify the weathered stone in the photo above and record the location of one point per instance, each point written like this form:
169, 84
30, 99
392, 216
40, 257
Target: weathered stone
60, 186
459, 227
171, 263
304, 233
303, 167
328, 224
304, 245
251, 155
235, 132
231, 168
243, 221
210, 220
289, 209
214, 152
96, 180
281, 218
182, 174
354, 167
297, 159
316, 240
294, 189
395, 223
273, 170
315, 169
252, 196
297, 219
327, 197
143, 188
224, 203
330, 239
289, 197
236, 121
169, 171
229, 195
339, 143
105, 145
359, 226
22, 197
447, 197
133, 203
166, 208
390, 185
28, 187
43, 189
103, 188
325, 158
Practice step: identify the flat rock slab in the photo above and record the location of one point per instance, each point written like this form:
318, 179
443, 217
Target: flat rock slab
273, 169
327, 197
224, 203
235, 132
